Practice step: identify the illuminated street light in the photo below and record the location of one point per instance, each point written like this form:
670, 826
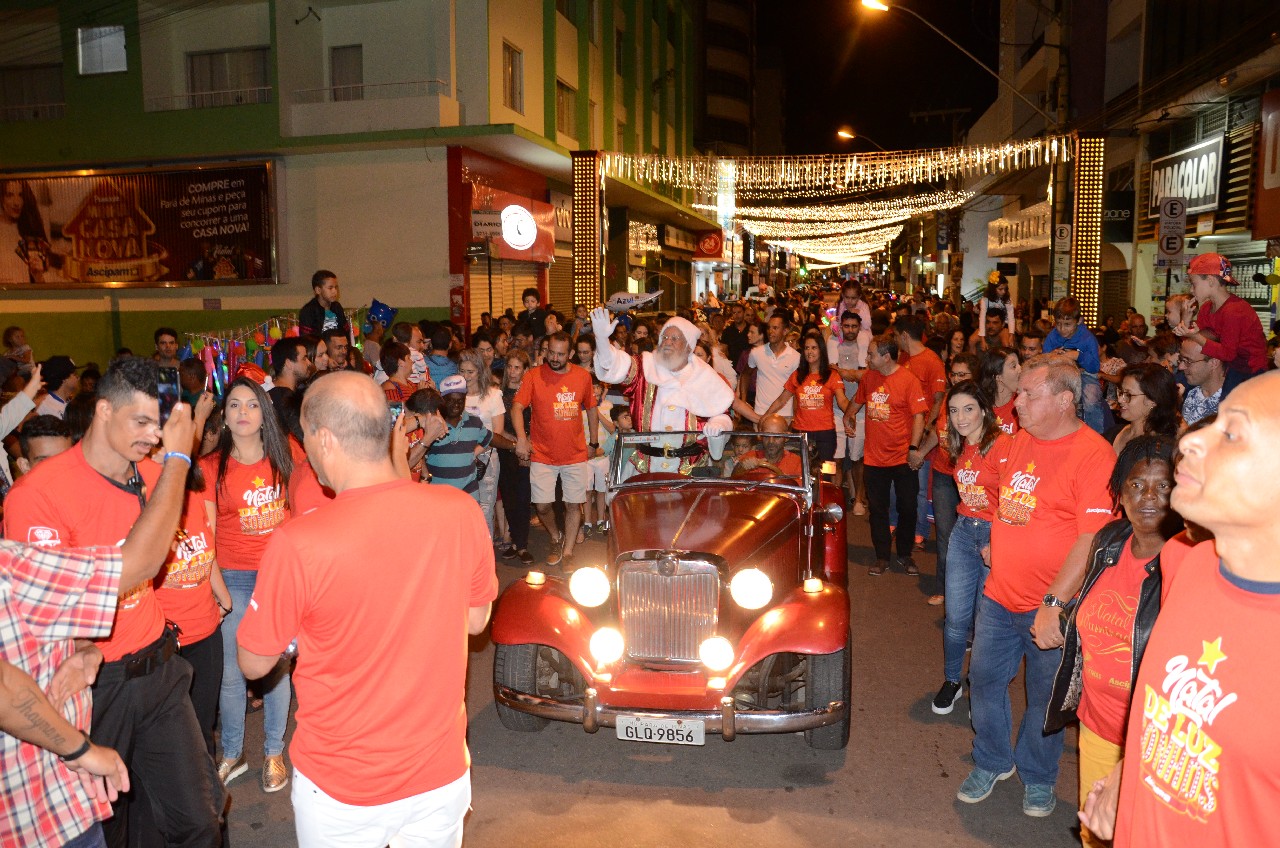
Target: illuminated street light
850, 134
881, 6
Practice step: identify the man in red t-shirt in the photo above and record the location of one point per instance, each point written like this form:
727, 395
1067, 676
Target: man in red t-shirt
92, 495
1202, 763
896, 409
380, 751
927, 367
557, 392
1053, 499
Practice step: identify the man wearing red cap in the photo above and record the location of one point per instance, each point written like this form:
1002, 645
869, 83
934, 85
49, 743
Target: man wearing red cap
1241, 344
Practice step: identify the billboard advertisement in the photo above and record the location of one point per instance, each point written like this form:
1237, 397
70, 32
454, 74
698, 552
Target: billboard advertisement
196, 225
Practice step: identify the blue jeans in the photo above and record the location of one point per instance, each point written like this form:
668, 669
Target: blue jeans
966, 576
946, 497
231, 698
91, 838
1001, 640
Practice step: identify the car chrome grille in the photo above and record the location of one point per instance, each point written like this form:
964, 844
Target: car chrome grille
667, 616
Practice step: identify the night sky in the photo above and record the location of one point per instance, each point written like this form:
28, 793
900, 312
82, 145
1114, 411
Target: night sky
849, 65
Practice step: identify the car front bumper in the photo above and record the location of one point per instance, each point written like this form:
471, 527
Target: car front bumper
727, 721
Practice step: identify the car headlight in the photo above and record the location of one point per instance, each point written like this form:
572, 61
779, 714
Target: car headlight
751, 588
716, 653
606, 645
589, 586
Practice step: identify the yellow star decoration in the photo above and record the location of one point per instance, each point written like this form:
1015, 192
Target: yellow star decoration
258, 482
1212, 654
968, 463
1031, 467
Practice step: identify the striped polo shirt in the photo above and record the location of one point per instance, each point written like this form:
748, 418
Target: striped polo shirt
451, 459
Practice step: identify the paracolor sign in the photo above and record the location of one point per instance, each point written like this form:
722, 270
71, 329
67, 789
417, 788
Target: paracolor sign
1194, 174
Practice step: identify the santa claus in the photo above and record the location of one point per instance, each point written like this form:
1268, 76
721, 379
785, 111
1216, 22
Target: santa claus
671, 391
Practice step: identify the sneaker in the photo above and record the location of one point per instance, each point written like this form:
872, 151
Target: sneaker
229, 770
274, 774
879, 568
556, 553
507, 551
525, 557
909, 565
945, 701
602, 527
979, 784
936, 600
1038, 800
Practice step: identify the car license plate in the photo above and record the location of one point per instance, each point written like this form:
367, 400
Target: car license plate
669, 731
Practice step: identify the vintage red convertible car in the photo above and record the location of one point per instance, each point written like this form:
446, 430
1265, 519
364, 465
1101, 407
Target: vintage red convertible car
721, 607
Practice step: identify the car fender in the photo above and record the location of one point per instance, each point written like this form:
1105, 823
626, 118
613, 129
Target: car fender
803, 623
835, 541
539, 615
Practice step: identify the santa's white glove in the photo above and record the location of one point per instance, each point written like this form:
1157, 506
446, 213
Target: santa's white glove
602, 325
715, 430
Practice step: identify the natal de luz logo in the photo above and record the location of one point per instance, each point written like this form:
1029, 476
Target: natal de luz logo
971, 492
1017, 497
566, 405
878, 408
108, 235
1180, 760
264, 508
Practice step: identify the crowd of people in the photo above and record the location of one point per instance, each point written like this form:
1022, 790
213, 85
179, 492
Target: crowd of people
230, 532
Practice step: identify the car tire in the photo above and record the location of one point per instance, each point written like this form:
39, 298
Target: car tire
516, 667
828, 679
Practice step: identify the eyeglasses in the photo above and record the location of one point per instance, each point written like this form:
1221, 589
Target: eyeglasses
959, 376
1184, 360
1125, 397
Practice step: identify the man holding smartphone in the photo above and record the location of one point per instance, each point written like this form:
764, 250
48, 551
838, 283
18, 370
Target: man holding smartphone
91, 495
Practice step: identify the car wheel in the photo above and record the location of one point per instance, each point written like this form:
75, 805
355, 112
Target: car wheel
827, 680
516, 667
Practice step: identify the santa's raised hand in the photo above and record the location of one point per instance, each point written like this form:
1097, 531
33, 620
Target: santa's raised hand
602, 325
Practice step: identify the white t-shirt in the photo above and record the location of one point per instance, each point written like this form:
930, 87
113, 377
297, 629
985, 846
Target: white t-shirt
52, 405
486, 407
772, 371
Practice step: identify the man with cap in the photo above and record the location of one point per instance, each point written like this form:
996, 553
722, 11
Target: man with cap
62, 382
451, 458
1241, 344
670, 389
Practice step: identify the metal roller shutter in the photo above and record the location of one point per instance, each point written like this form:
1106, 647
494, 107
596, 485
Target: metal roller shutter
510, 278
560, 284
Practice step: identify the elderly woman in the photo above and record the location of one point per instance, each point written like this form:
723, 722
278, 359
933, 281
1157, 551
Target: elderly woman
1108, 625
1148, 404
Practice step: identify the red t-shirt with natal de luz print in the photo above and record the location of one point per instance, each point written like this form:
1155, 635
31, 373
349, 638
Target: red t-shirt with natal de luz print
182, 586
66, 503
1051, 492
556, 402
815, 400
892, 404
249, 507
1201, 753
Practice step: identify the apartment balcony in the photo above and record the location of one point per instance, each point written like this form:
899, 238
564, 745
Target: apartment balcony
32, 112
372, 107
208, 99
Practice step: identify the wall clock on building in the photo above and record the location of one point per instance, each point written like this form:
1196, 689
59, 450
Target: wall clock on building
518, 227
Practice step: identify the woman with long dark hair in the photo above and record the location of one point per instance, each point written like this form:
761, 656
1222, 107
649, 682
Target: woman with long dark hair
998, 379
996, 299
817, 388
25, 253
247, 497
1148, 404
977, 448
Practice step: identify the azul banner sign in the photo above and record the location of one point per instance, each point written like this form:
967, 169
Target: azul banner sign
164, 227
1194, 174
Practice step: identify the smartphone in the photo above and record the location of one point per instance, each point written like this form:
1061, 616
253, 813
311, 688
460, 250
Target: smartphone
170, 391
396, 410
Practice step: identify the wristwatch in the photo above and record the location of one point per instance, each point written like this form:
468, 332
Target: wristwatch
1051, 600
593, 444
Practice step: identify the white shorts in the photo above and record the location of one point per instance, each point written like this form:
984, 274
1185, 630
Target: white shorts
858, 442
430, 820
574, 480
599, 466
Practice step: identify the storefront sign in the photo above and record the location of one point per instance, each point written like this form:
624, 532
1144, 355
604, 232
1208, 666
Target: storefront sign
1025, 230
1173, 230
1194, 174
710, 245
1117, 217
526, 228
1266, 215
193, 226
563, 204
674, 238
486, 223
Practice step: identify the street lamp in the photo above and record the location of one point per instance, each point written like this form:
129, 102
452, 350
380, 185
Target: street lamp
881, 6
849, 134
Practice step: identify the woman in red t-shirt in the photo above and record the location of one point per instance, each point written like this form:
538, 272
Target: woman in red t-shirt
977, 448
999, 380
817, 388
247, 497
1107, 629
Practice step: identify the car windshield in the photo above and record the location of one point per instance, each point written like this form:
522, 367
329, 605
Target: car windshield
642, 459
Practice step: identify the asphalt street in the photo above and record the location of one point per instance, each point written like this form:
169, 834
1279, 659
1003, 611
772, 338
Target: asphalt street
894, 785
